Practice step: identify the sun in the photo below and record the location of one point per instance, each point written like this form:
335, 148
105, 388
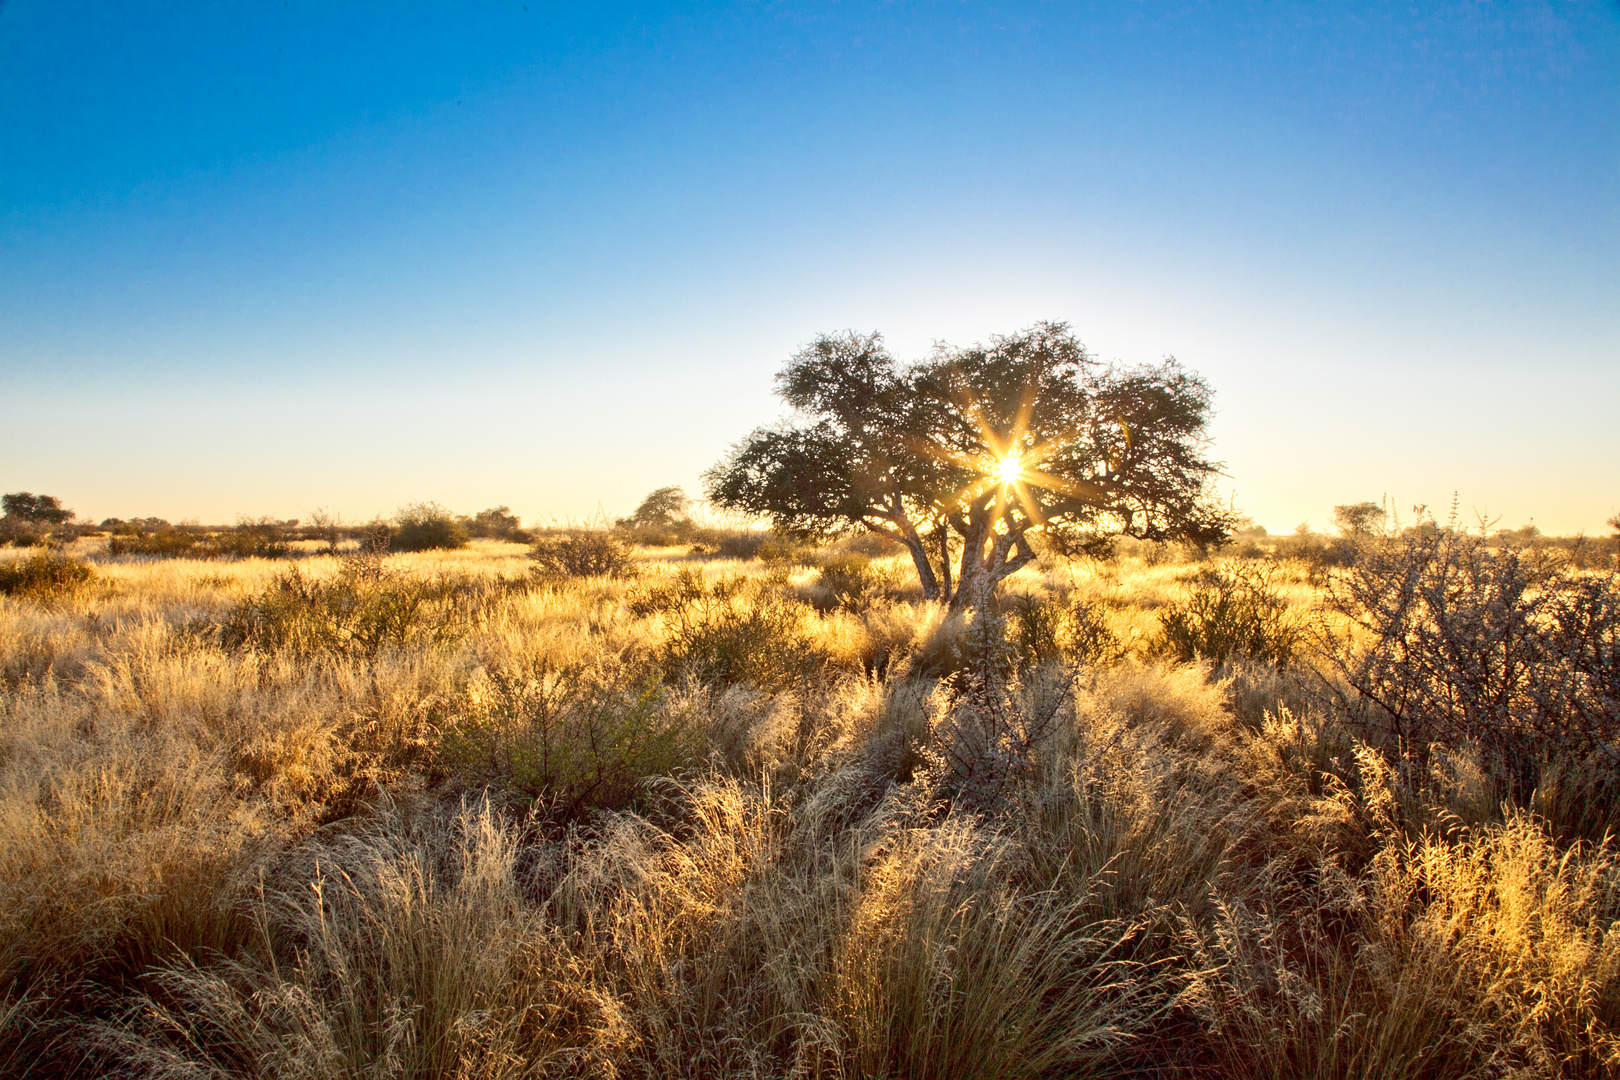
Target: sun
1010, 469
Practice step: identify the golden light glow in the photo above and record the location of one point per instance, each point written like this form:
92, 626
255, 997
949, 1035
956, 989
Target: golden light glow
1010, 469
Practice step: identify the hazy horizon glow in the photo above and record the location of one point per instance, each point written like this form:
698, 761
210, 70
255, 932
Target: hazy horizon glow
260, 258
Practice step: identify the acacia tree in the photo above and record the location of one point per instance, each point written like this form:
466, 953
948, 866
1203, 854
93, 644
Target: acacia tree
978, 449
665, 508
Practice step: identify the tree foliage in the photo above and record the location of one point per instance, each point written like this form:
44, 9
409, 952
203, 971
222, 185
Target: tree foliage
35, 509
425, 526
665, 508
975, 451
1359, 519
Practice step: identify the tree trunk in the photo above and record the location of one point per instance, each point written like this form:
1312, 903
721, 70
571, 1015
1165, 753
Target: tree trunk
982, 571
924, 565
973, 581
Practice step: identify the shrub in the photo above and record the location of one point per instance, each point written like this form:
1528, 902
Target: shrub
848, 581
583, 553
1231, 612
43, 576
1319, 554
165, 543
1090, 639
664, 595
1359, 519
1041, 631
426, 526
662, 519
362, 610
735, 633
261, 539
573, 737
1035, 627
496, 523
741, 545
30, 518
1455, 643
986, 747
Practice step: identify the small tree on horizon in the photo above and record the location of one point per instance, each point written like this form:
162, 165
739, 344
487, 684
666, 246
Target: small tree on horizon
424, 526
42, 510
665, 508
1358, 519
27, 517
976, 450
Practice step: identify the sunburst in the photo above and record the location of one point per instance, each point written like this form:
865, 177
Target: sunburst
1012, 465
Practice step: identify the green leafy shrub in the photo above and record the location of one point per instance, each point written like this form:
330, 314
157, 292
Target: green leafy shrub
1231, 612
496, 523
164, 543
1089, 639
849, 581
738, 633
261, 539
360, 611
427, 526
575, 737
1036, 628
1044, 630
43, 576
583, 553
663, 595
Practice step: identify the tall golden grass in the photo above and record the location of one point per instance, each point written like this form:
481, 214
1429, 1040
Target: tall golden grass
448, 855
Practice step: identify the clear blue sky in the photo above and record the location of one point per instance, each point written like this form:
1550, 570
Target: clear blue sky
260, 257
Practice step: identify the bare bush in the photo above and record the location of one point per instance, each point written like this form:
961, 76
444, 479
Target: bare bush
1457, 643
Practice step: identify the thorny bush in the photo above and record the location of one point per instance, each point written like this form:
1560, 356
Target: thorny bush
1510, 650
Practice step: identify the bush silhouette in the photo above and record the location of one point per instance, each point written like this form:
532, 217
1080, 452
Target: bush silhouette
426, 526
583, 553
28, 518
496, 523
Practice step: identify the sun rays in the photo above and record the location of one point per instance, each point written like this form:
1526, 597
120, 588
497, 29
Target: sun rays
1010, 464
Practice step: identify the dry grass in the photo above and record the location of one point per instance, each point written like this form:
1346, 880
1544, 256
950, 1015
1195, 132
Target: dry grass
547, 842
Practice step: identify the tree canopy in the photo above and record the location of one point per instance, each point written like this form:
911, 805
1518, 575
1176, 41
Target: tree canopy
35, 509
665, 508
1359, 519
977, 450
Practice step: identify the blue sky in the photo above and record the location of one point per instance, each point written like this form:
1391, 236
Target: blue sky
263, 257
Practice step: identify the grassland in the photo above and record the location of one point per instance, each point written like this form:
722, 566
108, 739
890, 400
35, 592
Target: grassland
432, 815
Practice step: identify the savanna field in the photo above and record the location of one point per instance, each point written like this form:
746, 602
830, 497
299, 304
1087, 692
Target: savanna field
1291, 808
